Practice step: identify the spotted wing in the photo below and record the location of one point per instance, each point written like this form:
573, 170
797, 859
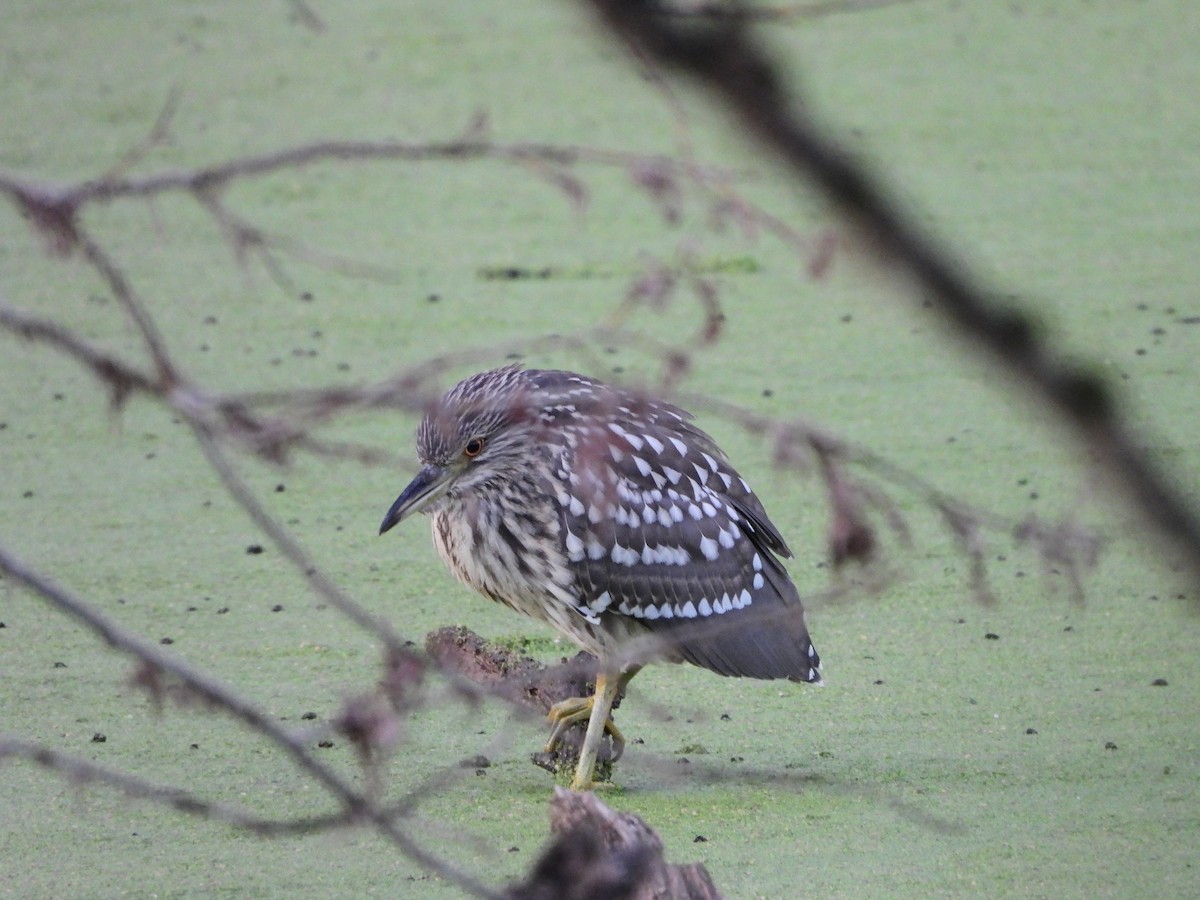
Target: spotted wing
660, 529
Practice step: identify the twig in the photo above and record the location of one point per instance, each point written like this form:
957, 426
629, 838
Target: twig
357, 807
724, 57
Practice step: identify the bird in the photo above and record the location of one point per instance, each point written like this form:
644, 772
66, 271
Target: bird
611, 516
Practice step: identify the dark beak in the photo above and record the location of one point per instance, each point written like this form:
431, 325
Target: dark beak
431, 482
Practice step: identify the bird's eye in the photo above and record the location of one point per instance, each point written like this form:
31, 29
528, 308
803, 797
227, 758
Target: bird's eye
474, 448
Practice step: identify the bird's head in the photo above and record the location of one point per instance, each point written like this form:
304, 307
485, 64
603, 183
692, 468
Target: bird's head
477, 431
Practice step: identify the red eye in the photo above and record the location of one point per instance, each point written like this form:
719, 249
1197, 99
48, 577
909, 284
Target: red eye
474, 448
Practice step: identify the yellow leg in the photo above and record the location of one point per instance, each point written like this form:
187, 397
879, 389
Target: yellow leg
597, 711
607, 689
574, 710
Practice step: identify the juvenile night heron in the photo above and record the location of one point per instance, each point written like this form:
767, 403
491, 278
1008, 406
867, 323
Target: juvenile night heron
612, 518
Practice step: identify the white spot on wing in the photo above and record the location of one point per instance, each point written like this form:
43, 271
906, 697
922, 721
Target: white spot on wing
688, 611
576, 506
642, 466
574, 548
746, 599
704, 608
758, 581
650, 612
655, 444
679, 445
673, 475
708, 547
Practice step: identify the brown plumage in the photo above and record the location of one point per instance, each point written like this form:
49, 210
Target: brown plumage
612, 517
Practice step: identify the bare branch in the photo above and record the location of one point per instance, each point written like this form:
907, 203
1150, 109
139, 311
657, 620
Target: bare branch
723, 56
357, 806
82, 771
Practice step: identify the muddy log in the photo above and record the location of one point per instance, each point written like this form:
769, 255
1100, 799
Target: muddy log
526, 681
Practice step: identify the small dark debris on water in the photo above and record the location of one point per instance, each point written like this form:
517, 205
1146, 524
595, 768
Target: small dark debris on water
194, 746
308, 716
1159, 682
99, 738
767, 392
254, 549
878, 681
724, 716
991, 636
737, 759
699, 839
60, 665
1031, 731
514, 273
1109, 745
683, 761
279, 489
479, 761
166, 641
514, 849
325, 745
278, 607
222, 610
307, 297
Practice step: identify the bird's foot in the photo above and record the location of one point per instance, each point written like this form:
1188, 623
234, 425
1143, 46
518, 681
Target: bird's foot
576, 710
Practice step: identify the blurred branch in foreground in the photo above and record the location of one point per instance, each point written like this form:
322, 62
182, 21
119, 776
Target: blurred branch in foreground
720, 52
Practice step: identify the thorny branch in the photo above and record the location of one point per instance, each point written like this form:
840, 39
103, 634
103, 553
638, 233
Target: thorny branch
710, 43
721, 54
157, 664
